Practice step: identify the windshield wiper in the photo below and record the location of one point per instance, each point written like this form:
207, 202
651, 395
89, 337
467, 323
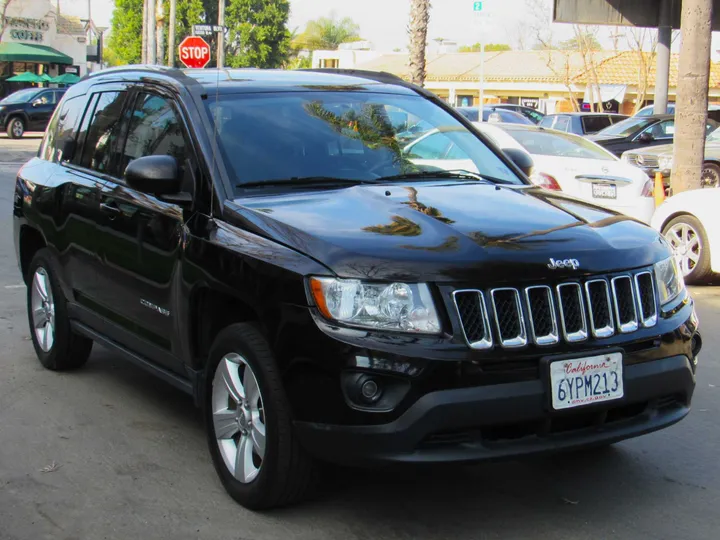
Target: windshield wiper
305, 181
455, 173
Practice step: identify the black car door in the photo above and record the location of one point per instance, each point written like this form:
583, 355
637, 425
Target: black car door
142, 235
40, 110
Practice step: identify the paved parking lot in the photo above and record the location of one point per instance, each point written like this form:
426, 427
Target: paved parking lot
110, 452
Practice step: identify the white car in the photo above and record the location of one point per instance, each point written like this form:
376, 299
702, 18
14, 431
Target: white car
690, 221
579, 167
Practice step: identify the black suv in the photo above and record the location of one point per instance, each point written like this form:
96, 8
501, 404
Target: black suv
261, 241
28, 110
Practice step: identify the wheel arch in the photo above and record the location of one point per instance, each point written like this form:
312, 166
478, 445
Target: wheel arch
713, 235
31, 240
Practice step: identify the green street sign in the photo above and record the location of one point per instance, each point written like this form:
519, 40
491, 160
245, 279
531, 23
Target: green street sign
477, 6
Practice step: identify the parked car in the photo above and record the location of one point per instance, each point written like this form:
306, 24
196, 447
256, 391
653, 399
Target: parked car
531, 114
581, 123
492, 113
638, 132
264, 245
690, 222
649, 110
578, 167
660, 159
28, 110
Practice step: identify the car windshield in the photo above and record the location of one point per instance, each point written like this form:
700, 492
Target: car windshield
714, 136
21, 96
285, 137
627, 127
557, 143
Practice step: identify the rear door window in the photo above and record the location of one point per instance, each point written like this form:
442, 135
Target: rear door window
100, 148
593, 124
547, 122
562, 123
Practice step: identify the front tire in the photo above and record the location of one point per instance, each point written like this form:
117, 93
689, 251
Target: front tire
56, 345
710, 176
15, 128
690, 246
249, 423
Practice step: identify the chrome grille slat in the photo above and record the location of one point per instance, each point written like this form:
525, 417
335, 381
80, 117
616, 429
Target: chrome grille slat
472, 311
509, 318
624, 302
541, 315
572, 312
600, 308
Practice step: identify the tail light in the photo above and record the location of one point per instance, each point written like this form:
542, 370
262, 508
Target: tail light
648, 189
545, 181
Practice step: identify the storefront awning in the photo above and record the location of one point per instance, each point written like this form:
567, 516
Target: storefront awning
26, 52
607, 92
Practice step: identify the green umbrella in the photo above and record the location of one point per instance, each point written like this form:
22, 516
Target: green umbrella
26, 77
46, 78
66, 78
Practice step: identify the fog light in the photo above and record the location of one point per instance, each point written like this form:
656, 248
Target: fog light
370, 390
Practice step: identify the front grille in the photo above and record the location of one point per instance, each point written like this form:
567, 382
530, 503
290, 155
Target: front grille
644, 161
599, 307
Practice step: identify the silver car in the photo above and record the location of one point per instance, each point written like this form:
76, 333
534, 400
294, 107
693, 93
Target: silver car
654, 159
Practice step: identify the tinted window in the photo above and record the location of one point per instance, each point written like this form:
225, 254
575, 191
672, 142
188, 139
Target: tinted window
627, 127
662, 130
562, 123
593, 124
336, 134
46, 98
21, 96
558, 144
155, 129
100, 145
63, 127
533, 115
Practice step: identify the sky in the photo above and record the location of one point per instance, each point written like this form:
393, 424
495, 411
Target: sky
384, 22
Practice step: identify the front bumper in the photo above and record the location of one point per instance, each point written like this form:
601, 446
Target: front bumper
509, 420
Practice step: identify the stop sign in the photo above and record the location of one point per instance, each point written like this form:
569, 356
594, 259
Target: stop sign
194, 52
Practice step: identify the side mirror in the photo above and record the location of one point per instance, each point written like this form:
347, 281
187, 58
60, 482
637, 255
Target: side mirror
156, 175
521, 159
646, 137
37, 103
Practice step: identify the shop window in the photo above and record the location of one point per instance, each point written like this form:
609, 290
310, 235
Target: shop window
331, 63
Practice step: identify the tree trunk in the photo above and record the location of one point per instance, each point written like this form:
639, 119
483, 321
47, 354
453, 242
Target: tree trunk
160, 33
419, 19
143, 52
692, 95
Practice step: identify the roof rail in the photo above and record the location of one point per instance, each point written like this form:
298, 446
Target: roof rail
379, 76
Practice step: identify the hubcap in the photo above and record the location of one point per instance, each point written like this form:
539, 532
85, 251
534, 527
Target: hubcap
709, 178
238, 417
43, 309
686, 246
17, 128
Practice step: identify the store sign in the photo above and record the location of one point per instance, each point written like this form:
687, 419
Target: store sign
533, 103
24, 29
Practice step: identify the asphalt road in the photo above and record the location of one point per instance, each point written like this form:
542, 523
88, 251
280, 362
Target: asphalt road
110, 452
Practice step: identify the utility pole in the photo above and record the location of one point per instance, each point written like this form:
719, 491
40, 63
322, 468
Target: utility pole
171, 34
151, 52
662, 62
221, 34
143, 52
692, 94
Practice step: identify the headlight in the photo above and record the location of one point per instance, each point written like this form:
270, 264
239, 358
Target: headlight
665, 163
401, 307
669, 280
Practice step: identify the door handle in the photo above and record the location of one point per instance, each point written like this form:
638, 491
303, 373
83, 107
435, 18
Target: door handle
110, 209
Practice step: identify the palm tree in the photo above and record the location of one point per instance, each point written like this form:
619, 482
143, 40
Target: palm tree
419, 19
328, 33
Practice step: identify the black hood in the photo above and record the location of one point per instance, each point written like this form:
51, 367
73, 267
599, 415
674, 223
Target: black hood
458, 232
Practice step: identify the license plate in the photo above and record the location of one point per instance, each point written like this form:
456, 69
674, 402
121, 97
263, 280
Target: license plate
604, 191
584, 381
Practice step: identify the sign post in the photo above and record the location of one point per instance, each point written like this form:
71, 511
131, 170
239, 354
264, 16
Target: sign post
194, 52
478, 11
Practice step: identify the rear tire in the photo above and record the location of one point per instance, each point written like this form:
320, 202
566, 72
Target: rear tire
15, 128
710, 176
691, 247
249, 423
57, 347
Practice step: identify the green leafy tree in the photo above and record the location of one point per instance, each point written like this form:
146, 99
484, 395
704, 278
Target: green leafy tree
125, 43
187, 13
257, 33
489, 47
327, 33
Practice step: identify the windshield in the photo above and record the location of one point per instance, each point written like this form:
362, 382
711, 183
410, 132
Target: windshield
343, 135
627, 127
21, 96
556, 143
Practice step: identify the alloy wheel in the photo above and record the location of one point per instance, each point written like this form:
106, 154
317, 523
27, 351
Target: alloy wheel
709, 177
238, 417
685, 243
43, 309
17, 128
